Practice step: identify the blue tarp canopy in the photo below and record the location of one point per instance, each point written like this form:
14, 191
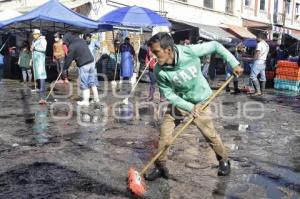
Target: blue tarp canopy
134, 16
52, 16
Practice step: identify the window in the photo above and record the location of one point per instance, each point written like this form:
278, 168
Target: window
229, 6
262, 4
276, 5
288, 7
247, 2
208, 3
297, 9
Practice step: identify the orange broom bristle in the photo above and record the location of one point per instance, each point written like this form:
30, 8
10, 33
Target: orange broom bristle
136, 183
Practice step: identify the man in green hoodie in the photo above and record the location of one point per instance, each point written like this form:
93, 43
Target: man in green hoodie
180, 78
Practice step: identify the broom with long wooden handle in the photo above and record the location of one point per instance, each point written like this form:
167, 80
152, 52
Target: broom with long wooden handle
125, 101
136, 182
52, 87
114, 83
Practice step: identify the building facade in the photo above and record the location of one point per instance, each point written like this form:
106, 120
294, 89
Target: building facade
269, 16
273, 17
194, 11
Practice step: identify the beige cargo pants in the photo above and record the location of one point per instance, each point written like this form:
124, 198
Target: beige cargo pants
174, 116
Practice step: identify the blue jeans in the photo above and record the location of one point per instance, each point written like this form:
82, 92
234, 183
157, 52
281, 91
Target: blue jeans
59, 66
152, 78
229, 72
258, 67
88, 76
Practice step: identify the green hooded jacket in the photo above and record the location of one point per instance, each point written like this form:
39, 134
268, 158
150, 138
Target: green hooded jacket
183, 83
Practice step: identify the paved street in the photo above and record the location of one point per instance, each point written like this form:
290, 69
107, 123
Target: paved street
46, 157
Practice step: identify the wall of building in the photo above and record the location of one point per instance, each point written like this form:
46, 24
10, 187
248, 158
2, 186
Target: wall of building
254, 13
271, 12
292, 21
191, 11
15, 4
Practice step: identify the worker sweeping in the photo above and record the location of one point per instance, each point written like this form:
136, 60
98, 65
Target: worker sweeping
80, 52
179, 77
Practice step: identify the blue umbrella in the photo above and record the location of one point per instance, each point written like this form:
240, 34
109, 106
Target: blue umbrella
134, 16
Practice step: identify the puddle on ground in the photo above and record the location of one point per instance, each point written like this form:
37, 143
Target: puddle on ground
272, 182
124, 113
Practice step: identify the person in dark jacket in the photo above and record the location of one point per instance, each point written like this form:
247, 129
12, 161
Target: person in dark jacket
79, 51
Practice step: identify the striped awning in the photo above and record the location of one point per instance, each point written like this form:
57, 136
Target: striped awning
214, 33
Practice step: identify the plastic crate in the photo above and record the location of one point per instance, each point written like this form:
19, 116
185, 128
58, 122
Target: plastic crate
295, 72
287, 85
287, 64
287, 77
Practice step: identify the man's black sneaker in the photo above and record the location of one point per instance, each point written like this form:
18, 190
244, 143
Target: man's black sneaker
157, 172
224, 168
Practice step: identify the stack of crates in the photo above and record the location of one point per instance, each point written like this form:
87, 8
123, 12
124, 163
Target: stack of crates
287, 76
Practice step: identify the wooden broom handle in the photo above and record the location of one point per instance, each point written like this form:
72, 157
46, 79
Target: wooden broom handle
53, 85
116, 67
164, 148
147, 66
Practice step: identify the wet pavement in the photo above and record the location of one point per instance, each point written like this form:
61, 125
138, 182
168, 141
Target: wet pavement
62, 151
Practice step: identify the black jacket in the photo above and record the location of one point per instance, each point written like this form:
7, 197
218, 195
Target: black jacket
78, 50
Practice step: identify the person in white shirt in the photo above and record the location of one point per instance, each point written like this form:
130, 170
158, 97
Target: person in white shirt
259, 65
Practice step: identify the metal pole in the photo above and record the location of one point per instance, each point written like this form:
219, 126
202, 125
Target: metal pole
283, 24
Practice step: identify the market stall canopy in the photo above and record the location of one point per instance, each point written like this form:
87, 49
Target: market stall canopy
9, 14
52, 16
212, 33
241, 32
134, 16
